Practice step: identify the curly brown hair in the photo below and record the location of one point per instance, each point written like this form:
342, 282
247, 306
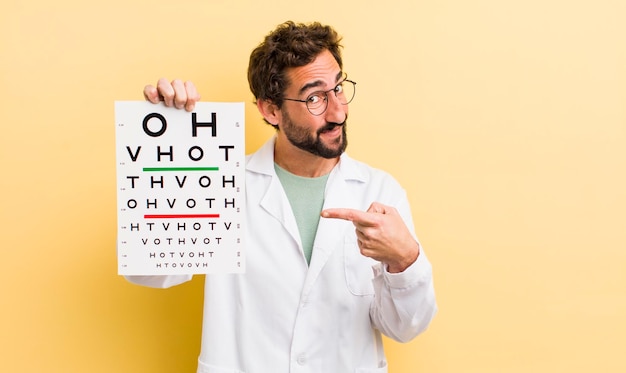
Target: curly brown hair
289, 45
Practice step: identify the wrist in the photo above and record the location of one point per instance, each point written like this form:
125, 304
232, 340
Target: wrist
405, 262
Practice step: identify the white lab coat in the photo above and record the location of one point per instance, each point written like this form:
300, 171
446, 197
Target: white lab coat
284, 316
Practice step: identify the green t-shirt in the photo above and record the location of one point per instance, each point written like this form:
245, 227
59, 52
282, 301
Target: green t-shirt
306, 196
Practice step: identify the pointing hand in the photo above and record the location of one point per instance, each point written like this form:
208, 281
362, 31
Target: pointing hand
381, 234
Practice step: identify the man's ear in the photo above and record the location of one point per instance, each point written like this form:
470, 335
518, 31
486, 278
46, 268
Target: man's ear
269, 111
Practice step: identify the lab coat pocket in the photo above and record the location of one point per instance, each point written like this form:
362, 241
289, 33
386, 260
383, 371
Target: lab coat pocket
358, 268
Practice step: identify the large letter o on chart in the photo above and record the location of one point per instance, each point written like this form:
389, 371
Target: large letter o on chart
163, 124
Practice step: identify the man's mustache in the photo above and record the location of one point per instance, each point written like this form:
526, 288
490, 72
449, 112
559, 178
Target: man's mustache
331, 126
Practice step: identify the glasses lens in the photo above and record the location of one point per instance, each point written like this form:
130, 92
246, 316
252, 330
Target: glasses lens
346, 91
316, 103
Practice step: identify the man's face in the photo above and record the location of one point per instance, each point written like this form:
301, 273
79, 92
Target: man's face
322, 135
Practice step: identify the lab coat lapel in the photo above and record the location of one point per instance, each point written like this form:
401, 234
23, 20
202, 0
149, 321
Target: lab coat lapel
274, 199
275, 202
331, 233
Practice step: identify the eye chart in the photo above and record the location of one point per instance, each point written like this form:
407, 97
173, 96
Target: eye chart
180, 188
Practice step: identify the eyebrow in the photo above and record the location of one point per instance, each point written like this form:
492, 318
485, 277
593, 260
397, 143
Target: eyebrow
318, 83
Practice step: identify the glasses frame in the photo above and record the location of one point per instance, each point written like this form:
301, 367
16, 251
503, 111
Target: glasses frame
334, 89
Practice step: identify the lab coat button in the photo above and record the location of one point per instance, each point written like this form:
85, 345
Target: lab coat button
301, 359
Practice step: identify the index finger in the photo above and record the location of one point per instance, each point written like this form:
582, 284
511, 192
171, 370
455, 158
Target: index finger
355, 216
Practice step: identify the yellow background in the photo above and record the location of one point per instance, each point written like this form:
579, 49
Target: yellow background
505, 121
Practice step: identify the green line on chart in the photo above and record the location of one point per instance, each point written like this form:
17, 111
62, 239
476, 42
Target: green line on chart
153, 169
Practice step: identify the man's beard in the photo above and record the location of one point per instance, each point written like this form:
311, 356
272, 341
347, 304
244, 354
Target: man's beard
301, 138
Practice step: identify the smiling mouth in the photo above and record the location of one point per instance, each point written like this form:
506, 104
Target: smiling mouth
330, 128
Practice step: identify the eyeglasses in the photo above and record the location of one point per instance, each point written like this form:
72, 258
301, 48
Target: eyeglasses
317, 102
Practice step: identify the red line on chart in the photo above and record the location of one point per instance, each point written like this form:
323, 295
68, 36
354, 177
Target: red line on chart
181, 216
